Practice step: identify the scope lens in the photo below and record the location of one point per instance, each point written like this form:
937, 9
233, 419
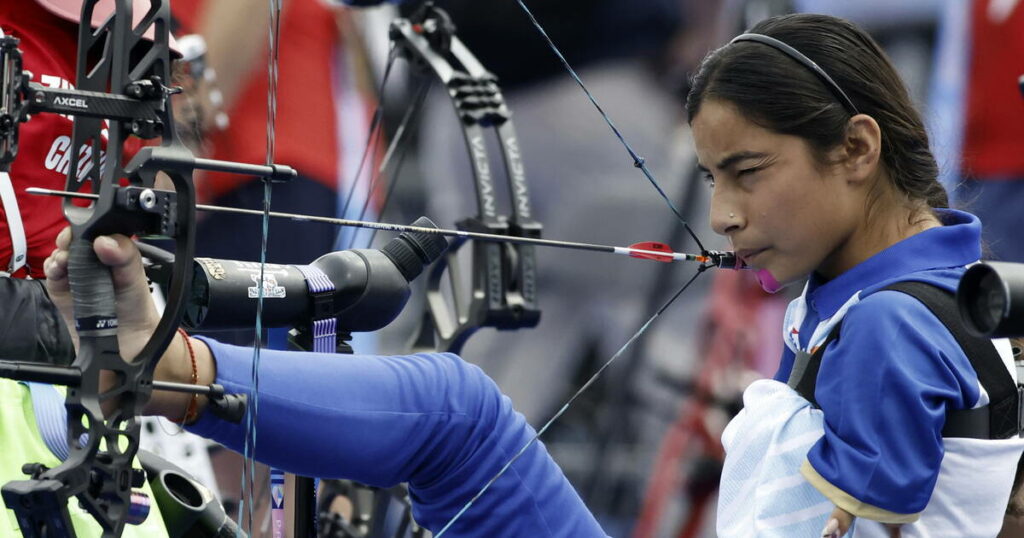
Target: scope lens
990, 304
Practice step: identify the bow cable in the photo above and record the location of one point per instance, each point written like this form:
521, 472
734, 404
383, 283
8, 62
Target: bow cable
373, 139
409, 122
570, 401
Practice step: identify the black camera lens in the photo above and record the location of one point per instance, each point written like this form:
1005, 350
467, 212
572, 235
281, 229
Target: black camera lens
988, 309
991, 299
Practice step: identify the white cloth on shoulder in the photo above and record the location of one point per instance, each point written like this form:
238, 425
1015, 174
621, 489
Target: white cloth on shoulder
763, 494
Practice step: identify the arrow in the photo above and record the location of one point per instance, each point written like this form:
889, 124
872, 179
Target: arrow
647, 250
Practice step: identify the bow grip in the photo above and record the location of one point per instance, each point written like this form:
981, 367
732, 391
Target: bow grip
92, 289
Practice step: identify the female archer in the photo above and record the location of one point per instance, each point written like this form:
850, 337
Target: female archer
820, 168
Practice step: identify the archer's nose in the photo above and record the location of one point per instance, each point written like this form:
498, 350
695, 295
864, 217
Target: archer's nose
726, 218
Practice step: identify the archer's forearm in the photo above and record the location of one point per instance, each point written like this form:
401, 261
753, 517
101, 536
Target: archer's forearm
429, 419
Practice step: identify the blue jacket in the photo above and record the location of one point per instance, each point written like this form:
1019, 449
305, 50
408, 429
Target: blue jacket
886, 384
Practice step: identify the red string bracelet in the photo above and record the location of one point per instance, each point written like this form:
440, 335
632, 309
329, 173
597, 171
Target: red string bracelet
193, 404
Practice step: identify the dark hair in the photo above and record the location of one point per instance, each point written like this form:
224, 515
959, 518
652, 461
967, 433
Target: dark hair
779, 94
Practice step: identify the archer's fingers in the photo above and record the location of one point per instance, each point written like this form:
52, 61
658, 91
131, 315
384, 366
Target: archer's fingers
122, 256
116, 251
64, 238
55, 267
838, 523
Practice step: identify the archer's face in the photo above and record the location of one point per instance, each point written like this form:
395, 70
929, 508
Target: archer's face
780, 209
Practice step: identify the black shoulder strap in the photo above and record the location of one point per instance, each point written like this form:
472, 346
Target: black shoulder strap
1000, 419
804, 376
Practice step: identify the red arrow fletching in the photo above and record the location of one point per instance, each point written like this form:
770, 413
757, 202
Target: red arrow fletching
651, 247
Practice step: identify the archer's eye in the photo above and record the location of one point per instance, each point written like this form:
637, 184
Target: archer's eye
709, 179
748, 171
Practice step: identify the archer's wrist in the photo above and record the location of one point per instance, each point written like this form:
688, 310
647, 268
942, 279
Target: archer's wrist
206, 369
176, 367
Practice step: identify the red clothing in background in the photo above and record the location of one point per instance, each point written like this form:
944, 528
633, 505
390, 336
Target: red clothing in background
994, 133
305, 124
49, 47
48, 44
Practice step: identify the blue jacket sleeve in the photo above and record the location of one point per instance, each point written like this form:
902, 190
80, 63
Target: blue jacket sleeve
431, 420
884, 387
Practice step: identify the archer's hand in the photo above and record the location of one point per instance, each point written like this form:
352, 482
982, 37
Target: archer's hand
136, 313
839, 523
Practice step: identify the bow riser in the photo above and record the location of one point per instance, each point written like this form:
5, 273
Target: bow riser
112, 58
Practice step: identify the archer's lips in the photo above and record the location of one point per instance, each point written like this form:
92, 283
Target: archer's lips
748, 254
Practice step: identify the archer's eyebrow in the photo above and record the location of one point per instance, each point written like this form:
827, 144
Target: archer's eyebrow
735, 158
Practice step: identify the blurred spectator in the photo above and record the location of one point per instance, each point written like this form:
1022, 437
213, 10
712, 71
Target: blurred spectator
48, 31
324, 102
993, 142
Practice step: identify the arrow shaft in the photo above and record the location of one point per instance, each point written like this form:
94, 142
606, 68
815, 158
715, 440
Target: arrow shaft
480, 236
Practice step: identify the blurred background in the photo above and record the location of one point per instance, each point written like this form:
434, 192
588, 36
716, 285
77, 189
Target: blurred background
642, 445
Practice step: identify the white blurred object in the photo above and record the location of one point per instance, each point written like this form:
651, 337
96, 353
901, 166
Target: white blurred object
192, 47
999, 10
946, 111
183, 449
19, 246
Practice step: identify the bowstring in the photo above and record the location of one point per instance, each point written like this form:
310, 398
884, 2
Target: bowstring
249, 452
638, 161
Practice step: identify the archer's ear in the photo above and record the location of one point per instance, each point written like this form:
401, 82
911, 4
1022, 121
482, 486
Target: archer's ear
862, 147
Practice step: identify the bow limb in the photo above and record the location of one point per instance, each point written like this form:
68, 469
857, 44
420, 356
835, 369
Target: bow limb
503, 293
503, 277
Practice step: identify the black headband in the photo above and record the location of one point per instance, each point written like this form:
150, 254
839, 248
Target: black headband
805, 61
